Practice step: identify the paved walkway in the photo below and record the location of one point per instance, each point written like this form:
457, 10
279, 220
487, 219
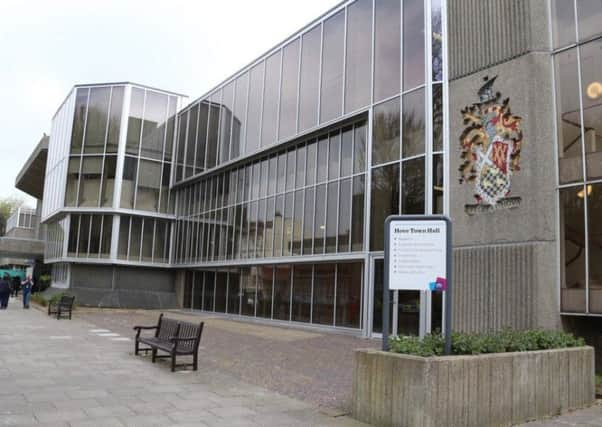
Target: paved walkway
77, 373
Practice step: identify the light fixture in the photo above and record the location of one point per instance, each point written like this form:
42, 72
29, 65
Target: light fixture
581, 193
322, 227
594, 90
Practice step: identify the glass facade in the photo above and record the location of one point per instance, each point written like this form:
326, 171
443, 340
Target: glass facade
578, 76
327, 294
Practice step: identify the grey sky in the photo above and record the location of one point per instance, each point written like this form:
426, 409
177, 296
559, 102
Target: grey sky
185, 46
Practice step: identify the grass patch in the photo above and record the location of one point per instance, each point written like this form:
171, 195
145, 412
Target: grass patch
503, 341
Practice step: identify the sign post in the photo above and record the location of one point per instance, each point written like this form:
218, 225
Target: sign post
418, 257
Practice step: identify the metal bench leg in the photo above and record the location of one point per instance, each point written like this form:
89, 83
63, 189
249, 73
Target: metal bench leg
195, 363
154, 355
136, 348
173, 362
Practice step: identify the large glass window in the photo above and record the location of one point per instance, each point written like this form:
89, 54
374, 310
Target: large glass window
387, 48
385, 202
108, 181
591, 78
135, 121
282, 292
323, 294
96, 122
310, 78
269, 119
128, 185
349, 295
590, 15
331, 95
386, 132
413, 43
240, 115
79, 120
412, 202
302, 283
264, 290
288, 89
89, 187
153, 127
149, 183
254, 108
572, 216
413, 124
359, 55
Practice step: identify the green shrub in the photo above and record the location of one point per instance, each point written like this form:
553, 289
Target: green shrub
502, 341
39, 299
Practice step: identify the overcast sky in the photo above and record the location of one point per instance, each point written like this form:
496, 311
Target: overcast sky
46, 47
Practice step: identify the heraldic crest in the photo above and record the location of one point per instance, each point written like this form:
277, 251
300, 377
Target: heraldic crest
490, 147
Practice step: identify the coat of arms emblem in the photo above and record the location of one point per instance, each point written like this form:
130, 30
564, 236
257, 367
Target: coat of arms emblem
490, 144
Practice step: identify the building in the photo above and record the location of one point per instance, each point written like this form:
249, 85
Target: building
265, 198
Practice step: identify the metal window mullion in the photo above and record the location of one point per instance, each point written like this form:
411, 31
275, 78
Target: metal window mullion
135, 201
368, 181
446, 130
428, 105
373, 55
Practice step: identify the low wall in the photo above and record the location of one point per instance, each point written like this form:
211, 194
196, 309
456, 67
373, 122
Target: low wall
487, 390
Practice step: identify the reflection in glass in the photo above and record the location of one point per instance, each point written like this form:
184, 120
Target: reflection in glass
105, 242
437, 117
438, 184
413, 124
300, 170
254, 108
412, 187
563, 22
128, 183
288, 224
269, 228
359, 148
332, 67
226, 123
234, 292
359, 55
594, 241
413, 43
334, 154
240, 115
387, 49
148, 229
79, 120
323, 295
135, 237
346, 151
308, 221
590, 16
114, 119
278, 225
213, 133
149, 183
89, 187
95, 230
569, 117
108, 181
437, 40
385, 202
135, 121
310, 78
349, 294
344, 215
386, 132
124, 232
191, 142
591, 78
281, 177
572, 249
290, 169
320, 219
301, 309
269, 119
331, 217
248, 289
322, 158
298, 223
209, 291
288, 89
312, 151
221, 284
357, 214
264, 290
153, 128
282, 292
84, 235
72, 181
96, 121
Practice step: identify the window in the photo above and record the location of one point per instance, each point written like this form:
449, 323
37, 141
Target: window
387, 48
310, 78
413, 43
385, 202
359, 55
288, 89
386, 132
96, 121
269, 119
254, 108
331, 95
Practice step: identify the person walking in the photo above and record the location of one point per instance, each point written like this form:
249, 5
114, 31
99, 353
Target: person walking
16, 286
26, 286
4, 291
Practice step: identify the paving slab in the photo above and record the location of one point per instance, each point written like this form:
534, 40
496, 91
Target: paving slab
91, 380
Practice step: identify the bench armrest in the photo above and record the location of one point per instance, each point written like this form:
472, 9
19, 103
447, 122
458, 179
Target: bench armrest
144, 327
184, 339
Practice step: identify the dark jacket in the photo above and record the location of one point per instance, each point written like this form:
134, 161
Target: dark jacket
26, 286
4, 287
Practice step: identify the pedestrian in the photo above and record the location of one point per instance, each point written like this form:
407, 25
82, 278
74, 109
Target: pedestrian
16, 286
4, 291
26, 286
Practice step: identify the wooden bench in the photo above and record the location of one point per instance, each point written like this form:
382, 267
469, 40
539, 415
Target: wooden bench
175, 337
61, 308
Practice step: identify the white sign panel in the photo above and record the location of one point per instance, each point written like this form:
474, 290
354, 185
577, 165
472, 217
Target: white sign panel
417, 254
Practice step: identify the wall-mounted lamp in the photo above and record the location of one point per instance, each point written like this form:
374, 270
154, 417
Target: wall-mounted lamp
594, 90
581, 193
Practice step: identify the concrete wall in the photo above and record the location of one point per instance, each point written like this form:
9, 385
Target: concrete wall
505, 259
488, 390
123, 287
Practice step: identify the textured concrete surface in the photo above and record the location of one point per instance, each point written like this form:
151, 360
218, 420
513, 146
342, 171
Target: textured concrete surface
76, 373
488, 390
312, 366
